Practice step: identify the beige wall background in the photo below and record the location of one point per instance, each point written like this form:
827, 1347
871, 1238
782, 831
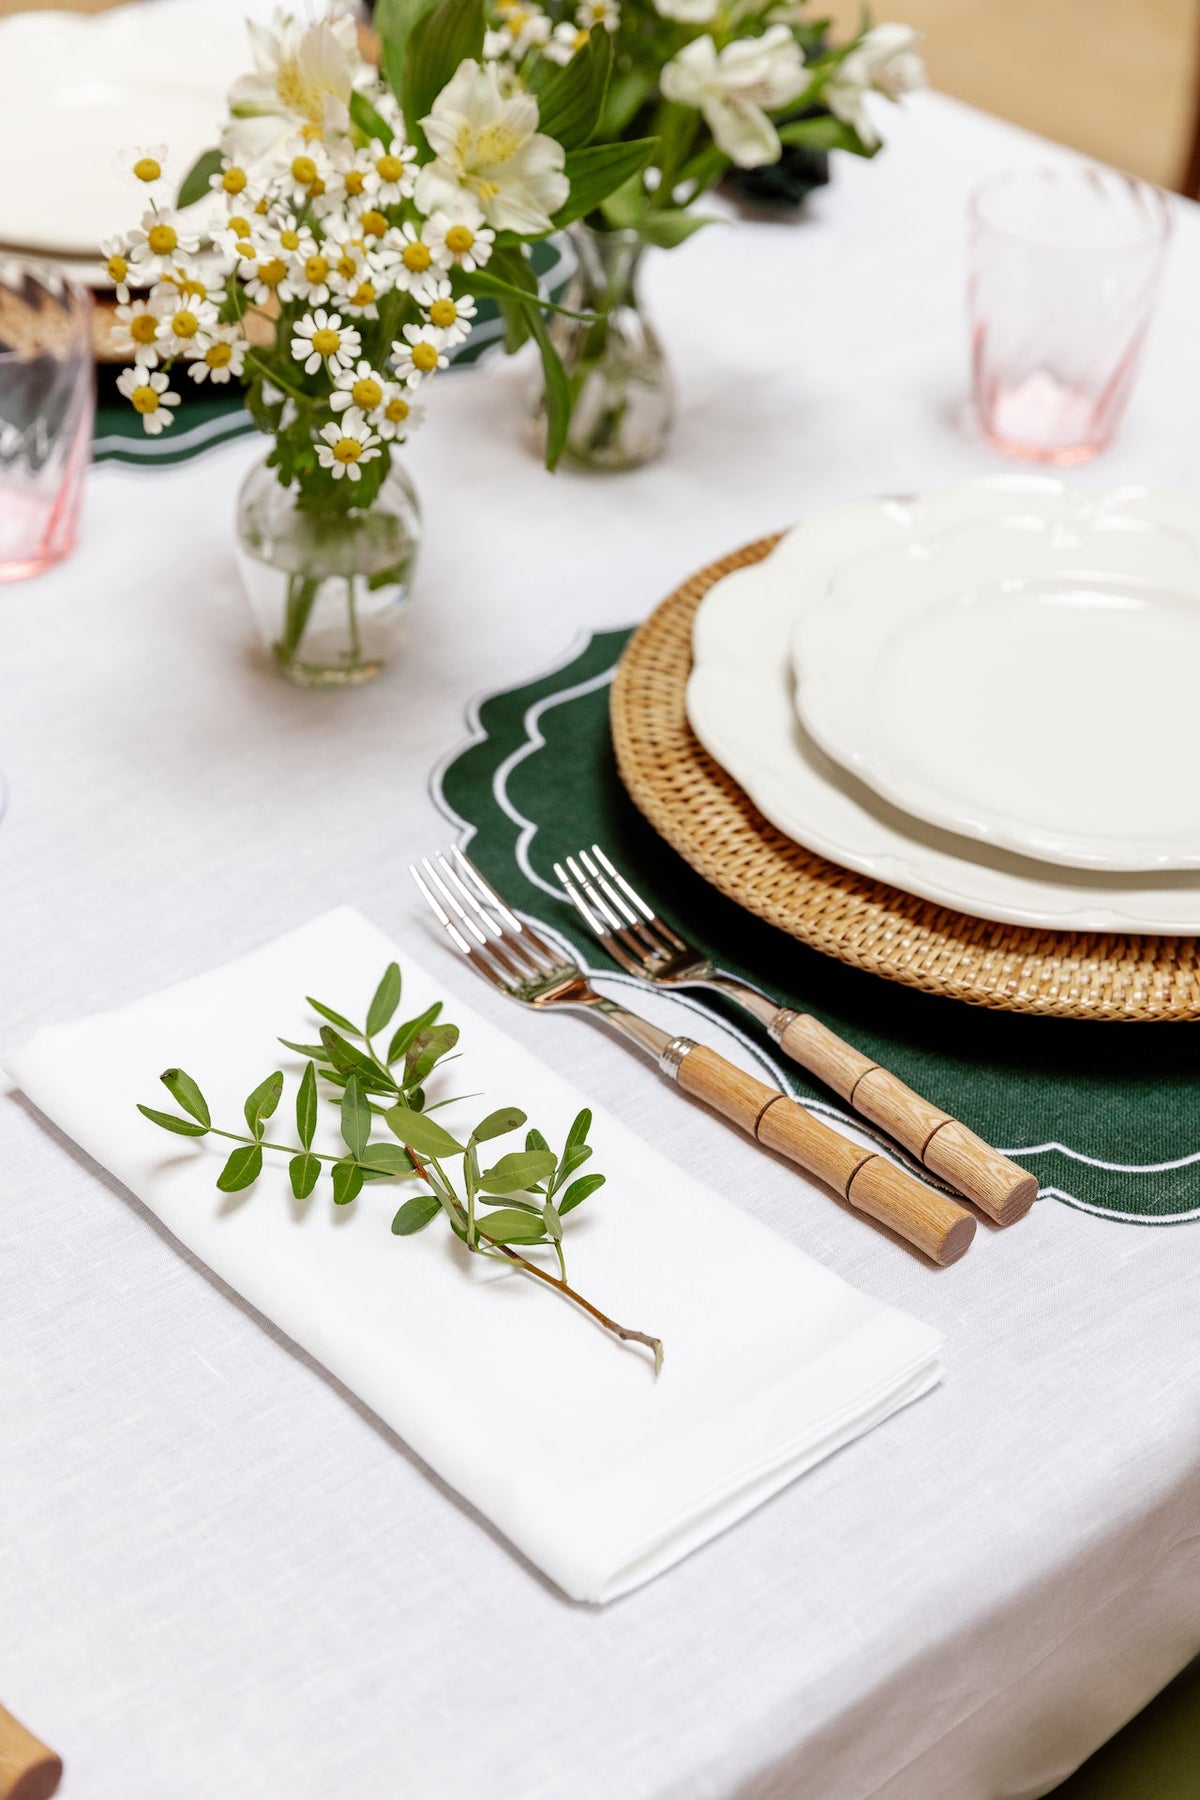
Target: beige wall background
1117, 78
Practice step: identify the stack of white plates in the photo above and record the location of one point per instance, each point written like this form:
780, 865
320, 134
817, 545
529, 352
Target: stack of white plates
988, 696
78, 92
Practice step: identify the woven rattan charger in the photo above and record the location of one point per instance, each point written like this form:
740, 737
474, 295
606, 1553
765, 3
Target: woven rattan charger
704, 815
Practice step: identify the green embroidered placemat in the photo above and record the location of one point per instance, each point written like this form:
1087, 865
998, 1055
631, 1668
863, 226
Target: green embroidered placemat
1107, 1116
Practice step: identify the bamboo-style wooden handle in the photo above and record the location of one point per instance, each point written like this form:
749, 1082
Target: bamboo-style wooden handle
938, 1227
996, 1185
28, 1771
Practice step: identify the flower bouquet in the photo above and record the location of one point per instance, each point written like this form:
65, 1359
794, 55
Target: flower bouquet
346, 228
719, 85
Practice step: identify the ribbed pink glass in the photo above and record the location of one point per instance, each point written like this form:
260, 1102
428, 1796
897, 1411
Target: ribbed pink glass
47, 400
1065, 270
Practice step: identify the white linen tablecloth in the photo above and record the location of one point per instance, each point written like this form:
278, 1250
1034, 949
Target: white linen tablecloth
218, 1574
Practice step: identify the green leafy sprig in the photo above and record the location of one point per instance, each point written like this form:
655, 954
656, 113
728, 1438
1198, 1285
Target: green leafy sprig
500, 1209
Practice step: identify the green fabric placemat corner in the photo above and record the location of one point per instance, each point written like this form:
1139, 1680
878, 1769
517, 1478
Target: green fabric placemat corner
1107, 1116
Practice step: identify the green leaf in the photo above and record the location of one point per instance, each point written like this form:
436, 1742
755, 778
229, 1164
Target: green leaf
304, 1171
825, 133
581, 1125
512, 1227
194, 185
672, 226
346, 1058
443, 37
556, 387
597, 171
571, 98
387, 1159
242, 1169
386, 1000
317, 1050
516, 326
628, 91
535, 1141
573, 1159
369, 122
506, 1118
169, 1122
306, 1105
356, 1118
406, 1033
347, 1181
500, 1200
482, 281
335, 1018
426, 1136
183, 1089
262, 1102
394, 21
553, 1222
416, 1214
578, 1192
426, 1051
519, 1170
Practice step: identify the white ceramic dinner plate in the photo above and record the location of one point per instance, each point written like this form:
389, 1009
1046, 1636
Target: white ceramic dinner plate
79, 90
740, 704
1027, 680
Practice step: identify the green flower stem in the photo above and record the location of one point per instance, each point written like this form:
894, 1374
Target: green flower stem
352, 609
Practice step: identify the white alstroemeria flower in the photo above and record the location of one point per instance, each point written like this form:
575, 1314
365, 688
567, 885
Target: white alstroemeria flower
566, 43
221, 358
886, 59
140, 330
303, 77
688, 12
395, 175
161, 237
188, 322
457, 234
359, 386
349, 442
150, 397
451, 314
736, 87
420, 355
321, 337
487, 144
397, 416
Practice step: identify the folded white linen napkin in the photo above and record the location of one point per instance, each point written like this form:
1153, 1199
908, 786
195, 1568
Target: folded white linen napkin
602, 1475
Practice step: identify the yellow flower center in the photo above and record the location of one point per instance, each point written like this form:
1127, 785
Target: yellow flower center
311, 133
416, 257
389, 168
233, 179
347, 450
262, 206
396, 411
144, 328
185, 324
304, 170
147, 168
366, 393
162, 239
272, 272
459, 239
290, 240
443, 313
240, 226
144, 399
316, 188
354, 181
117, 268
373, 223
219, 355
190, 288
364, 294
246, 249
316, 269
326, 342
425, 357
346, 265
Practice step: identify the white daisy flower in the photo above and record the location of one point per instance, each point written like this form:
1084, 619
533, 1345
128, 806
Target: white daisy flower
148, 393
265, 275
372, 227
221, 358
421, 354
416, 264
452, 315
309, 276
187, 322
398, 416
456, 234
522, 28
231, 180
567, 42
147, 163
288, 236
321, 337
116, 264
140, 330
352, 180
361, 300
361, 387
161, 236
237, 240
395, 175
591, 13
486, 142
349, 442
305, 173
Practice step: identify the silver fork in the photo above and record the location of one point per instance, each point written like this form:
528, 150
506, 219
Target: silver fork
510, 954
644, 945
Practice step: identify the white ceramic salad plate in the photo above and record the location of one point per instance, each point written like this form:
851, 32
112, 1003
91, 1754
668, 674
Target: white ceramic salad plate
741, 707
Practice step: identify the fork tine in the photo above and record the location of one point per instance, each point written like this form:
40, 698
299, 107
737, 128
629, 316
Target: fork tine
632, 894
504, 949
437, 908
631, 964
641, 937
530, 939
483, 953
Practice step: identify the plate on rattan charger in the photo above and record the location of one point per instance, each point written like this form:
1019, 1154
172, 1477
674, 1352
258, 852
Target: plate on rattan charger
703, 814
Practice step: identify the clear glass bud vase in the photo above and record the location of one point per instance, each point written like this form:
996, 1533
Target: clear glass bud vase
327, 586
623, 401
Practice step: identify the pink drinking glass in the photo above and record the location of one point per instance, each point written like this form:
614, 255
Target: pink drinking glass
47, 400
1065, 270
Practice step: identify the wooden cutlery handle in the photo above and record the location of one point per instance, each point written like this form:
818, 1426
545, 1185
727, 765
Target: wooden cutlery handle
28, 1771
927, 1219
995, 1184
